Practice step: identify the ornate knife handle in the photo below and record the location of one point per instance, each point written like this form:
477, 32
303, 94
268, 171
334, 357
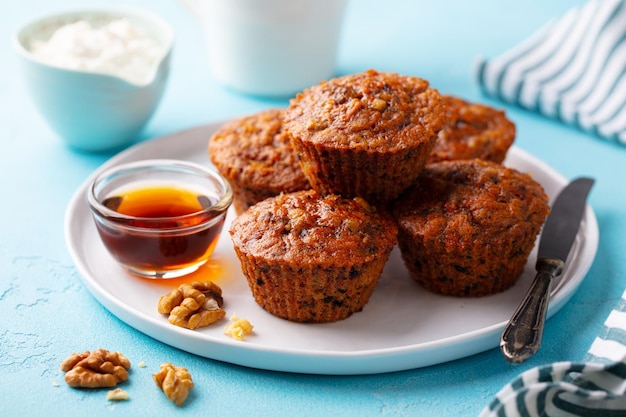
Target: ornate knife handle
521, 337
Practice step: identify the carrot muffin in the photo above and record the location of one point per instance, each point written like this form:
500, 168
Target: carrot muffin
312, 258
473, 131
255, 155
367, 134
467, 227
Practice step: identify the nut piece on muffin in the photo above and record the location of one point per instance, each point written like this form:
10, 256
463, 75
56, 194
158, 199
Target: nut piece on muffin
366, 134
312, 258
254, 154
467, 227
471, 131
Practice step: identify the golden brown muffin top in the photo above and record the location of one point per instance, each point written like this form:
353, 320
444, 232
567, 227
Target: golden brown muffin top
370, 111
256, 151
473, 130
462, 200
306, 228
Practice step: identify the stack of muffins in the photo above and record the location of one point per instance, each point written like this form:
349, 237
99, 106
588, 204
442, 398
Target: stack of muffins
325, 188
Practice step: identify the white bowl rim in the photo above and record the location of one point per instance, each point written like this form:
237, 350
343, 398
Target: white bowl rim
146, 15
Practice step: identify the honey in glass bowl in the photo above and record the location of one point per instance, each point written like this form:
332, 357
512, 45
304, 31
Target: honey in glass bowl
160, 218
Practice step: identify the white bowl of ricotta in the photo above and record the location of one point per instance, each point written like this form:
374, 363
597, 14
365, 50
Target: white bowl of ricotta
96, 76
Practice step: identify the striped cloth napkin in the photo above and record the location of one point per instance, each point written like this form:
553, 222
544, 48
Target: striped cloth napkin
572, 70
594, 388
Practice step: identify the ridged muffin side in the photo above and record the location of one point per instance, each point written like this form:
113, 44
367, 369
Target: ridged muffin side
367, 134
467, 227
312, 258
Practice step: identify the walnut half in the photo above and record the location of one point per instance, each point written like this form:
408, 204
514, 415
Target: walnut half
174, 381
193, 305
96, 369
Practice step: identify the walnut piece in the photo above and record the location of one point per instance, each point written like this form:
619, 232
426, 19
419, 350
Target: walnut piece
174, 381
238, 328
378, 104
193, 305
96, 369
117, 394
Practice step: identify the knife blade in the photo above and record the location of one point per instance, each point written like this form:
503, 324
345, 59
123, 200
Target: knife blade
522, 335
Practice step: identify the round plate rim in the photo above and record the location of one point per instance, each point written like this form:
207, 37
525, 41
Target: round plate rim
368, 361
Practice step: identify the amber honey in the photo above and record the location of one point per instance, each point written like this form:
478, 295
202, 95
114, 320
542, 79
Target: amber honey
160, 229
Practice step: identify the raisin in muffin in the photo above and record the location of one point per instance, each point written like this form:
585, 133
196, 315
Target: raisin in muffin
366, 134
467, 227
254, 154
312, 258
471, 131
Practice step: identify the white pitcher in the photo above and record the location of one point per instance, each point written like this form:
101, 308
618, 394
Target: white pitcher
271, 47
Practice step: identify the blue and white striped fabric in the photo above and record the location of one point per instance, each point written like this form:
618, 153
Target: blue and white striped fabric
595, 388
572, 70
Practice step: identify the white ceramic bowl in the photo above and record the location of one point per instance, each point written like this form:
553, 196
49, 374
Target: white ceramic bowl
94, 111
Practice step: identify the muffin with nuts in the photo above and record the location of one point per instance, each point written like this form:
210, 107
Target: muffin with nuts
473, 130
254, 154
312, 258
467, 227
366, 134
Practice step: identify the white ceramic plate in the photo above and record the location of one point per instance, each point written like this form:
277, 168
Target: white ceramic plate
402, 327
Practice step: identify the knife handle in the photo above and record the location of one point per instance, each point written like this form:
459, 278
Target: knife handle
521, 337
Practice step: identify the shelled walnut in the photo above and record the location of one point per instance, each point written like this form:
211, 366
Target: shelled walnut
194, 305
174, 381
238, 328
96, 369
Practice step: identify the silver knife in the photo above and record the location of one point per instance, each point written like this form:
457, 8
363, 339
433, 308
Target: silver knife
521, 337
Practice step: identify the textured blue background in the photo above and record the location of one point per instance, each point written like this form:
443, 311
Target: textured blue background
46, 313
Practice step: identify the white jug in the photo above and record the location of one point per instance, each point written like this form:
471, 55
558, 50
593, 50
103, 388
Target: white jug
271, 47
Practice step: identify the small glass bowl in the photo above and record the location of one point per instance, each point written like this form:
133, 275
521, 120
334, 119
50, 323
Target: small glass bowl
160, 218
